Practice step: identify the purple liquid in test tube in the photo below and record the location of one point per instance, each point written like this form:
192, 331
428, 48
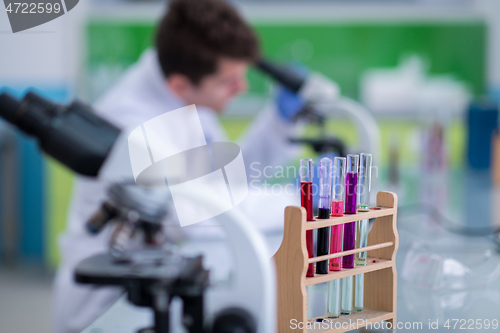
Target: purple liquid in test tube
349, 243
350, 208
351, 185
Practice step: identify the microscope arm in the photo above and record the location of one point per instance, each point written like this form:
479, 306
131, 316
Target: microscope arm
366, 126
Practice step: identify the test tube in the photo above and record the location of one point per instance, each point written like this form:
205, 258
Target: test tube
338, 187
306, 200
365, 179
364, 188
325, 201
338, 193
350, 208
351, 184
346, 306
333, 306
359, 289
349, 231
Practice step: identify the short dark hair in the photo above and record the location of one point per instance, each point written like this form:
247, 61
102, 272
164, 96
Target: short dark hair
195, 34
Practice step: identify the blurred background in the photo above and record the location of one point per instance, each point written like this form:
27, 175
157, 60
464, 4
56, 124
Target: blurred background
429, 71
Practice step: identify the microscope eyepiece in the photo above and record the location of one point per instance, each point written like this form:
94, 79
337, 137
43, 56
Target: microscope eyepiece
285, 76
72, 134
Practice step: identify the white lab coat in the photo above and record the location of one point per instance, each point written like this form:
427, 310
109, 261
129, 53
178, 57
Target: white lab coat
141, 95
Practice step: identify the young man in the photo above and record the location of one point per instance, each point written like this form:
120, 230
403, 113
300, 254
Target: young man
203, 50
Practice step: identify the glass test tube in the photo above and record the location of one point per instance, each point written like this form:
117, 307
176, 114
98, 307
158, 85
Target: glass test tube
349, 231
351, 184
333, 306
338, 193
364, 180
346, 306
364, 188
359, 289
350, 208
325, 201
306, 200
338, 187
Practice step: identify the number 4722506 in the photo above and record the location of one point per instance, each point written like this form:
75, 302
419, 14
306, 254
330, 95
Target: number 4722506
33, 8
470, 324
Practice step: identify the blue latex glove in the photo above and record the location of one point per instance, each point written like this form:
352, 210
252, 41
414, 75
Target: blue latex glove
289, 104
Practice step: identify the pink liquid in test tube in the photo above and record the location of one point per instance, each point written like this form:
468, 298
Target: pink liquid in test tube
337, 207
338, 194
337, 233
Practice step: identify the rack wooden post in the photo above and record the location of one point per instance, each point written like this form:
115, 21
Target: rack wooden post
380, 280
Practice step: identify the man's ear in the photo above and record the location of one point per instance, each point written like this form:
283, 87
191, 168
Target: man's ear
180, 85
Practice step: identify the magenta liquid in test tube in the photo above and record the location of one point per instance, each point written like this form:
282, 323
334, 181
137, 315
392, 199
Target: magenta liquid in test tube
350, 208
337, 207
351, 184
325, 201
306, 200
338, 193
336, 231
338, 187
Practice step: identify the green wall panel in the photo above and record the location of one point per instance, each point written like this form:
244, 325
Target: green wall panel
344, 52
112, 43
340, 51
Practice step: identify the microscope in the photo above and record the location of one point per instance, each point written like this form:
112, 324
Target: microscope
140, 259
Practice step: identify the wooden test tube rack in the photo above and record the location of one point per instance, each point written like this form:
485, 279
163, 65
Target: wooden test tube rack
380, 280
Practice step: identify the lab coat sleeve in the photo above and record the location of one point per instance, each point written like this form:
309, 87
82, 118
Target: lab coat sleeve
266, 143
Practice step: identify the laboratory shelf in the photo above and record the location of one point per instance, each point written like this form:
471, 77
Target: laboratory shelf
292, 260
370, 267
353, 321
